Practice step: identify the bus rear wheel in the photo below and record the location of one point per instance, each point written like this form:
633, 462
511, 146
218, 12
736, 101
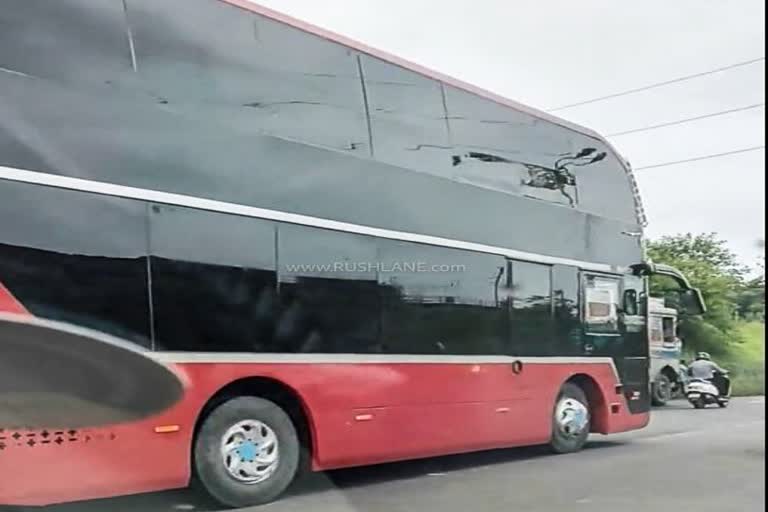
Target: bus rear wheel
246, 452
570, 420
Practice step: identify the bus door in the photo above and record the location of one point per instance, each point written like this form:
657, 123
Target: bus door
615, 326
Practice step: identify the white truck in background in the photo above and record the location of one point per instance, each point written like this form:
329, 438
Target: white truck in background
666, 350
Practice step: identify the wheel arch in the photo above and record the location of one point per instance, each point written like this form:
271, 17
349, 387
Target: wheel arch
274, 390
670, 372
597, 402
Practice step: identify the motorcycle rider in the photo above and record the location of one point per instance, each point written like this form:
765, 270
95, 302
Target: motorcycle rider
705, 369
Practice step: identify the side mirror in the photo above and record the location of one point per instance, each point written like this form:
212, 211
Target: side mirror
585, 152
690, 298
693, 302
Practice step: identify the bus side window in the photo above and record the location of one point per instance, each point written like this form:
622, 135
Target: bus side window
329, 292
532, 321
213, 280
442, 301
87, 268
567, 303
601, 306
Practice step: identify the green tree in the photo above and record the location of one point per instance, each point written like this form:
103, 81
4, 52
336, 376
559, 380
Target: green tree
751, 296
750, 300
704, 248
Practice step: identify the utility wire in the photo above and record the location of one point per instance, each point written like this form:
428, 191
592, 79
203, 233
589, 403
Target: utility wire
688, 120
660, 84
700, 158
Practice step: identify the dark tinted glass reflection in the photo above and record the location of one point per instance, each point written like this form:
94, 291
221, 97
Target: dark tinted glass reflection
633, 325
565, 293
243, 73
329, 293
408, 119
442, 301
213, 281
531, 324
506, 150
76, 257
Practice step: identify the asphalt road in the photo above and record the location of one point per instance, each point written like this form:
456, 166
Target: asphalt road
711, 460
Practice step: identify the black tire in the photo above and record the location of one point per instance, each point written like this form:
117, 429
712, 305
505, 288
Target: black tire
560, 441
662, 390
209, 465
680, 389
722, 404
699, 404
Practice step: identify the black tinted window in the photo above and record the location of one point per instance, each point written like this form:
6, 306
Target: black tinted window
531, 325
506, 150
565, 294
213, 281
442, 301
76, 257
329, 292
408, 123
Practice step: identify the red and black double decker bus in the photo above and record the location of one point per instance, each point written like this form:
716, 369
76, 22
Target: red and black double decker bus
352, 259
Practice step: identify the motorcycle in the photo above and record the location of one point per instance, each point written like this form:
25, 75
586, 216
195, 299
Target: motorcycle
701, 392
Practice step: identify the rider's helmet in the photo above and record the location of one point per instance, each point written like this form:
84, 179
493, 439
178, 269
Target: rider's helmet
703, 356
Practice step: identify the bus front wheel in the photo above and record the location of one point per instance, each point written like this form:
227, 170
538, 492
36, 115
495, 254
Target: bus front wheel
570, 420
246, 452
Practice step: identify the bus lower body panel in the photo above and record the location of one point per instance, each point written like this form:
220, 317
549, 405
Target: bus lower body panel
358, 409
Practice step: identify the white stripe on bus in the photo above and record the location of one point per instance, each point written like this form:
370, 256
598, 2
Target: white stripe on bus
288, 358
98, 187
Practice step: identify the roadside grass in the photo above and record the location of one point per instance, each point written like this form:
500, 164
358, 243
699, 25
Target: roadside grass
746, 360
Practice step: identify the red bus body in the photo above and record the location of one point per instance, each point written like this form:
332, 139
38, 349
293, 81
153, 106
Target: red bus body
360, 413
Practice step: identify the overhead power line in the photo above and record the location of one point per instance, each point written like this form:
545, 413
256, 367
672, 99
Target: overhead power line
688, 120
661, 84
700, 158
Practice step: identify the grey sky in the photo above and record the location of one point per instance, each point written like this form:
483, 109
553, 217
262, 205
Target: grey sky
548, 53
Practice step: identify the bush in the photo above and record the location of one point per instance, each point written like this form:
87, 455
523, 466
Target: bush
748, 380
700, 335
746, 360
